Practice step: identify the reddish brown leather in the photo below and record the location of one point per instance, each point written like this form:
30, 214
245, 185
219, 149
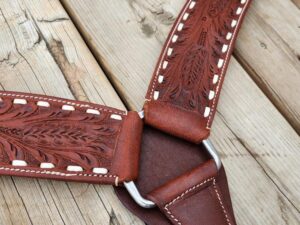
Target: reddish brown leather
175, 173
49, 134
189, 63
182, 198
168, 167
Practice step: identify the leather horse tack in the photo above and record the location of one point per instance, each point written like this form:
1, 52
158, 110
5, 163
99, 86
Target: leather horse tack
164, 159
175, 173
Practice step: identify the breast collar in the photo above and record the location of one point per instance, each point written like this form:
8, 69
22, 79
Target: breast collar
164, 168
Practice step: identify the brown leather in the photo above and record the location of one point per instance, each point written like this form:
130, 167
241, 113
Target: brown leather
175, 172
169, 163
181, 102
185, 88
182, 198
40, 129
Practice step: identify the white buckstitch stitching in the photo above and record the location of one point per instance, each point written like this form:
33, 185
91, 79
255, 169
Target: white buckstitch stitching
64, 102
221, 202
225, 61
61, 101
223, 68
170, 40
181, 196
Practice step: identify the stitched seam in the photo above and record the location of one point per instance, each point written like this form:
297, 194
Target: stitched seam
48, 172
181, 196
217, 90
167, 47
62, 101
224, 63
53, 172
221, 203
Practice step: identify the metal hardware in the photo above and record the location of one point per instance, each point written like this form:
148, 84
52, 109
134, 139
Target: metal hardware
141, 201
213, 153
135, 194
141, 114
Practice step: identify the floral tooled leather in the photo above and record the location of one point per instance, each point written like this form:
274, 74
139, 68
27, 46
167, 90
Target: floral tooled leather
191, 69
49, 133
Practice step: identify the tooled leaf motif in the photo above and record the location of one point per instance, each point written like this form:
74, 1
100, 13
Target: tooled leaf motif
36, 135
189, 77
216, 7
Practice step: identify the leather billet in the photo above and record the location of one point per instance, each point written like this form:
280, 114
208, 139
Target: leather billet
54, 138
187, 81
48, 137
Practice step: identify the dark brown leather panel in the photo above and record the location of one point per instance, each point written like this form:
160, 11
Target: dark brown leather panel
191, 69
62, 139
164, 158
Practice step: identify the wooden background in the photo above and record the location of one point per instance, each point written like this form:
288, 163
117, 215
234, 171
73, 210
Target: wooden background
104, 51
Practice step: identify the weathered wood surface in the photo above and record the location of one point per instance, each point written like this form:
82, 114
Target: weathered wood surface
257, 123
42, 52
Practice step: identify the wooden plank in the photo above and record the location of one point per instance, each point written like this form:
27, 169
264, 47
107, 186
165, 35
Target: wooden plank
144, 25
275, 40
42, 52
262, 164
269, 48
297, 3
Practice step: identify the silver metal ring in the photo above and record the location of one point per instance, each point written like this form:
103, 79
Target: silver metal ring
141, 201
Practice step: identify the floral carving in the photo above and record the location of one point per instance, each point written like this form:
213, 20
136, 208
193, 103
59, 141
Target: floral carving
191, 68
216, 7
49, 134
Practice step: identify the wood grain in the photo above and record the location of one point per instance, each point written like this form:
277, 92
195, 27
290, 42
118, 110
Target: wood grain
258, 146
269, 48
42, 52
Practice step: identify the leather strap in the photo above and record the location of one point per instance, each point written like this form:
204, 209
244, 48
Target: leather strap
171, 167
48, 137
182, 199
179, 109
187, 81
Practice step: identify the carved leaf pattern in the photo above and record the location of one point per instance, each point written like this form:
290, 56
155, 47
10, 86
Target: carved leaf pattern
195, 60
35, 134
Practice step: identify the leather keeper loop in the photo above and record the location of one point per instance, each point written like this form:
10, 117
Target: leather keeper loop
176, 121
128, 148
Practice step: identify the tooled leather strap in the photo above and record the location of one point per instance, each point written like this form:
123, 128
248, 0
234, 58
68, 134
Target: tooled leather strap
48, 137
189, 75
181, 102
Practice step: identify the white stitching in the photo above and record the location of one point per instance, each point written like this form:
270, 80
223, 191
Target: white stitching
221, 203
181, 196
173, 38
225, 62
221, 62
56, 173
61, 101
191, 189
